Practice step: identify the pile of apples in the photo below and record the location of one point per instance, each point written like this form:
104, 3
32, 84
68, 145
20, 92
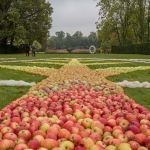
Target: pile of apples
79, 117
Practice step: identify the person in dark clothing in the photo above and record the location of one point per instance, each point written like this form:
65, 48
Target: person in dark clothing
27, 48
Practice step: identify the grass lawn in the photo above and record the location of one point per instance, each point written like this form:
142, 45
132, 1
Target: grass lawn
8, 93
56, 66
141, 95
116, 65
112, 56
132, 76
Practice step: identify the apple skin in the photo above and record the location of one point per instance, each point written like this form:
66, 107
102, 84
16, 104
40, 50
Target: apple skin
142, 148
87, 122
75, 138
25, 134
87, 142
50, 143
6, 144
68, 125
10, 136
5, 130
140, 138
64, 133
134, 129
124, 146
44, 127
39, 138
34, 144
111, 147
67, 145
134, 145
147, 141
79, 148
20, 147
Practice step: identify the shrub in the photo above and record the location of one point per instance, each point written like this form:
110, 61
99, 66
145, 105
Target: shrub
132, 49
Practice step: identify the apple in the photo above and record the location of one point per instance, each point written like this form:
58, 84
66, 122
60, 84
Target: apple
87, 142
124, 146
111, 147
134, 145
67, 145
5, 130
6, 144
124, 123
79, 148
10, 136
87, 122
97, 130
147, 141
68, 125
111, 122
75, 138
140, 138
142, 148
25, 134
39, 138
44, 127
34, 144
20, 147
134, 129
42, 148
50, 143
95, 147
79, 114
64, 133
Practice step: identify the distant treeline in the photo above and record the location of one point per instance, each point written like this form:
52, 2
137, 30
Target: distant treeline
67, 41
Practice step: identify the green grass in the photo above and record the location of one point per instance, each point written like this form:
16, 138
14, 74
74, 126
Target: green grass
56, 66
117, 65
140, 95
8, 74
7, 93
114, 56
141, 76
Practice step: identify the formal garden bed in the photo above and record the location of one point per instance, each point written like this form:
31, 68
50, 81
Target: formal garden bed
74, 107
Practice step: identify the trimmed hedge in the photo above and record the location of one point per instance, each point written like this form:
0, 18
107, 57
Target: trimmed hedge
132, 49
9, 49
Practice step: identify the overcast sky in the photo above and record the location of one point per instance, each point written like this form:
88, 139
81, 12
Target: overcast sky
74, 15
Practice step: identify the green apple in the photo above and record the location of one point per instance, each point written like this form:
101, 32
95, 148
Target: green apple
66, 145
124, 146
44, 127
111, 147
79, 114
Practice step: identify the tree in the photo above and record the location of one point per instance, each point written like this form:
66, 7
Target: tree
70, 42
29, 18
60, 35
122, 21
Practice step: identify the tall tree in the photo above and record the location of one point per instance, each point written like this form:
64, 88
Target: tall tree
126, 19
25, 21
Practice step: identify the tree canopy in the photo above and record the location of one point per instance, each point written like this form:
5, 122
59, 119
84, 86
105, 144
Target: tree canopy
63, 40
24, 21
122, 22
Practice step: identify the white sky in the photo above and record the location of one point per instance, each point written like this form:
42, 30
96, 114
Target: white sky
74, 15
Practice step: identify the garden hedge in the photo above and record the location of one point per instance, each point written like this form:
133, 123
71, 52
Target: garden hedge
10, 49
132, 49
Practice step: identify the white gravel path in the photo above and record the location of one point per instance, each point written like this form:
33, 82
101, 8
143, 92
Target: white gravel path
15, 83
134, 84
